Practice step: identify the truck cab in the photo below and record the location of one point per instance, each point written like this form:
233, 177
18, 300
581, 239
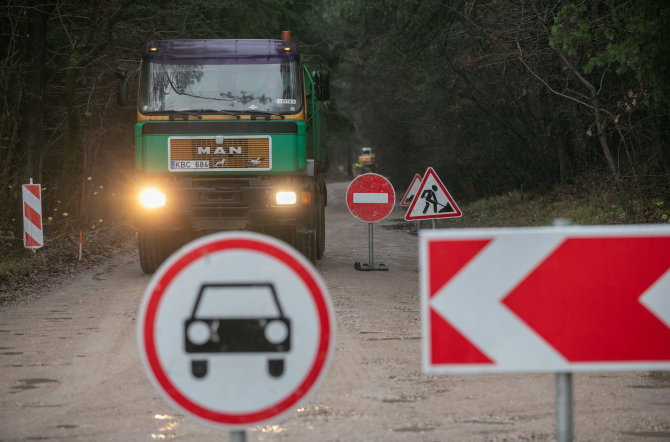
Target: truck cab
228, 137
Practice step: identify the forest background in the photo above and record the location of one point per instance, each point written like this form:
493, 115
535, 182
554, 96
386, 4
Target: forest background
500, 96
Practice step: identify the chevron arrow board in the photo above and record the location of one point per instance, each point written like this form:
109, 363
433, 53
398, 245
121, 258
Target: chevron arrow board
545, 299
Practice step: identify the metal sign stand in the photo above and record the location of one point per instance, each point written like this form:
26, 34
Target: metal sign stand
238, 436
369, 266
564, 430
564, 407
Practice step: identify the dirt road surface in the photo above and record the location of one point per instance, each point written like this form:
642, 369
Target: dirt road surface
70, 369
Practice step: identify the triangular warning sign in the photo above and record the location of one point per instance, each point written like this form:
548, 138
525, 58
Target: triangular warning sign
432, 200
411, 191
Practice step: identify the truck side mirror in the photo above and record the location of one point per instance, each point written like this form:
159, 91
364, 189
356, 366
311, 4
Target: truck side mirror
121, 75
322, 85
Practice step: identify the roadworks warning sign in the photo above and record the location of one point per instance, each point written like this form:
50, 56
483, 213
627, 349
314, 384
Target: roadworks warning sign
432, 200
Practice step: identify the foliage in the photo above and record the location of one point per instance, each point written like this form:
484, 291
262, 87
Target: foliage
486, 92
60, 124
497, 96
630, 36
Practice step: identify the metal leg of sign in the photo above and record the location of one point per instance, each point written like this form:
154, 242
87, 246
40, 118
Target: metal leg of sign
563, 386
371, 258
433, 223
238, 436
564, 407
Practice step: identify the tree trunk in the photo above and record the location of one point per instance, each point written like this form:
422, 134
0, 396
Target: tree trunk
32, 110
602, 138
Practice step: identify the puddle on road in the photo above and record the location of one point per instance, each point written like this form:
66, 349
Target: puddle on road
659, 380
42, 406
401, 400
413, 429
651, 434
168, 429
485, 422
315, 411
401, 338
67, 426
31, 383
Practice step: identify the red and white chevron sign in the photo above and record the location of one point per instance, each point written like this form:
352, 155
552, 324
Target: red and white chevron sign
33, 237
545, 299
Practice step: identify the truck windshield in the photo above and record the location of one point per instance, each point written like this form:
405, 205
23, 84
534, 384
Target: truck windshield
220, 85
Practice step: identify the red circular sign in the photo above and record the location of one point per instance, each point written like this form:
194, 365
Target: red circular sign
370, 197
248, 400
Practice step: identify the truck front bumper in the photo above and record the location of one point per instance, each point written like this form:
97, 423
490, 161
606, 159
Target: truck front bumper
204, 204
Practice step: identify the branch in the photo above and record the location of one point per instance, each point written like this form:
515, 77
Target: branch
547, 84
578, 74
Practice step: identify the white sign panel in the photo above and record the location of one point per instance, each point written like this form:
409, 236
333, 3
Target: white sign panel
551, 299
236, 329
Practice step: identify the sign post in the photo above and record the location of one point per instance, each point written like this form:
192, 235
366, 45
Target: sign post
574, 298
236, 329
370, 198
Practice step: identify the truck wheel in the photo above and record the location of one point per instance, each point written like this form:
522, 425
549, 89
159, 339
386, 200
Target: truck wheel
306, 244
151, 251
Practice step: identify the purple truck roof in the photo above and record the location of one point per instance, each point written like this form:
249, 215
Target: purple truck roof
228, 48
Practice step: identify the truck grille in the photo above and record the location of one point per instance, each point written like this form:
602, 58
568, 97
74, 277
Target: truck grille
210, 153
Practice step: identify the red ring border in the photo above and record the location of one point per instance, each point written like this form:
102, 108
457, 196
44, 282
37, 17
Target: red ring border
267, 413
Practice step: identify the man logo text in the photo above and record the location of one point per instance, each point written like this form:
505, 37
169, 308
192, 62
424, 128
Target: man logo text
220, 150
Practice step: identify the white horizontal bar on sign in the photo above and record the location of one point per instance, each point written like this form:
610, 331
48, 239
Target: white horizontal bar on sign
371, 198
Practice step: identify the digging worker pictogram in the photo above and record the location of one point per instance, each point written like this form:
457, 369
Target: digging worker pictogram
432, 193
429, 196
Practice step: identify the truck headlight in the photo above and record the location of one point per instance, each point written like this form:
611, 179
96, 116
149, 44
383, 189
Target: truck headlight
285, 198
152, 198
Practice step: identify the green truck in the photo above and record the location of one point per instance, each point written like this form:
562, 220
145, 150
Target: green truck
228, 137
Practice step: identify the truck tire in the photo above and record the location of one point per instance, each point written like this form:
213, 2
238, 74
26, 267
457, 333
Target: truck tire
320, 231
306, 244
151, 251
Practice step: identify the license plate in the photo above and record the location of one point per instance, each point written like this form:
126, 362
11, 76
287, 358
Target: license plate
189, 165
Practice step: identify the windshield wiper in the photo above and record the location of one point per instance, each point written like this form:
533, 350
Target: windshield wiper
182, 114
197, 113
264, 113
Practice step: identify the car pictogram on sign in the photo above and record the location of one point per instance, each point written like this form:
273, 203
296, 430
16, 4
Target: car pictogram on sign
237, 318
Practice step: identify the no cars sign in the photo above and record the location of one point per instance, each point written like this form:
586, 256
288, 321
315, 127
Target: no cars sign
236, 329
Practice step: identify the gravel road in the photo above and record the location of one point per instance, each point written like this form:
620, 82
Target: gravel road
71, 371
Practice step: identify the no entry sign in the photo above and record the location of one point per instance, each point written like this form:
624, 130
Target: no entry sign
557, 299
236, 329
370, 197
